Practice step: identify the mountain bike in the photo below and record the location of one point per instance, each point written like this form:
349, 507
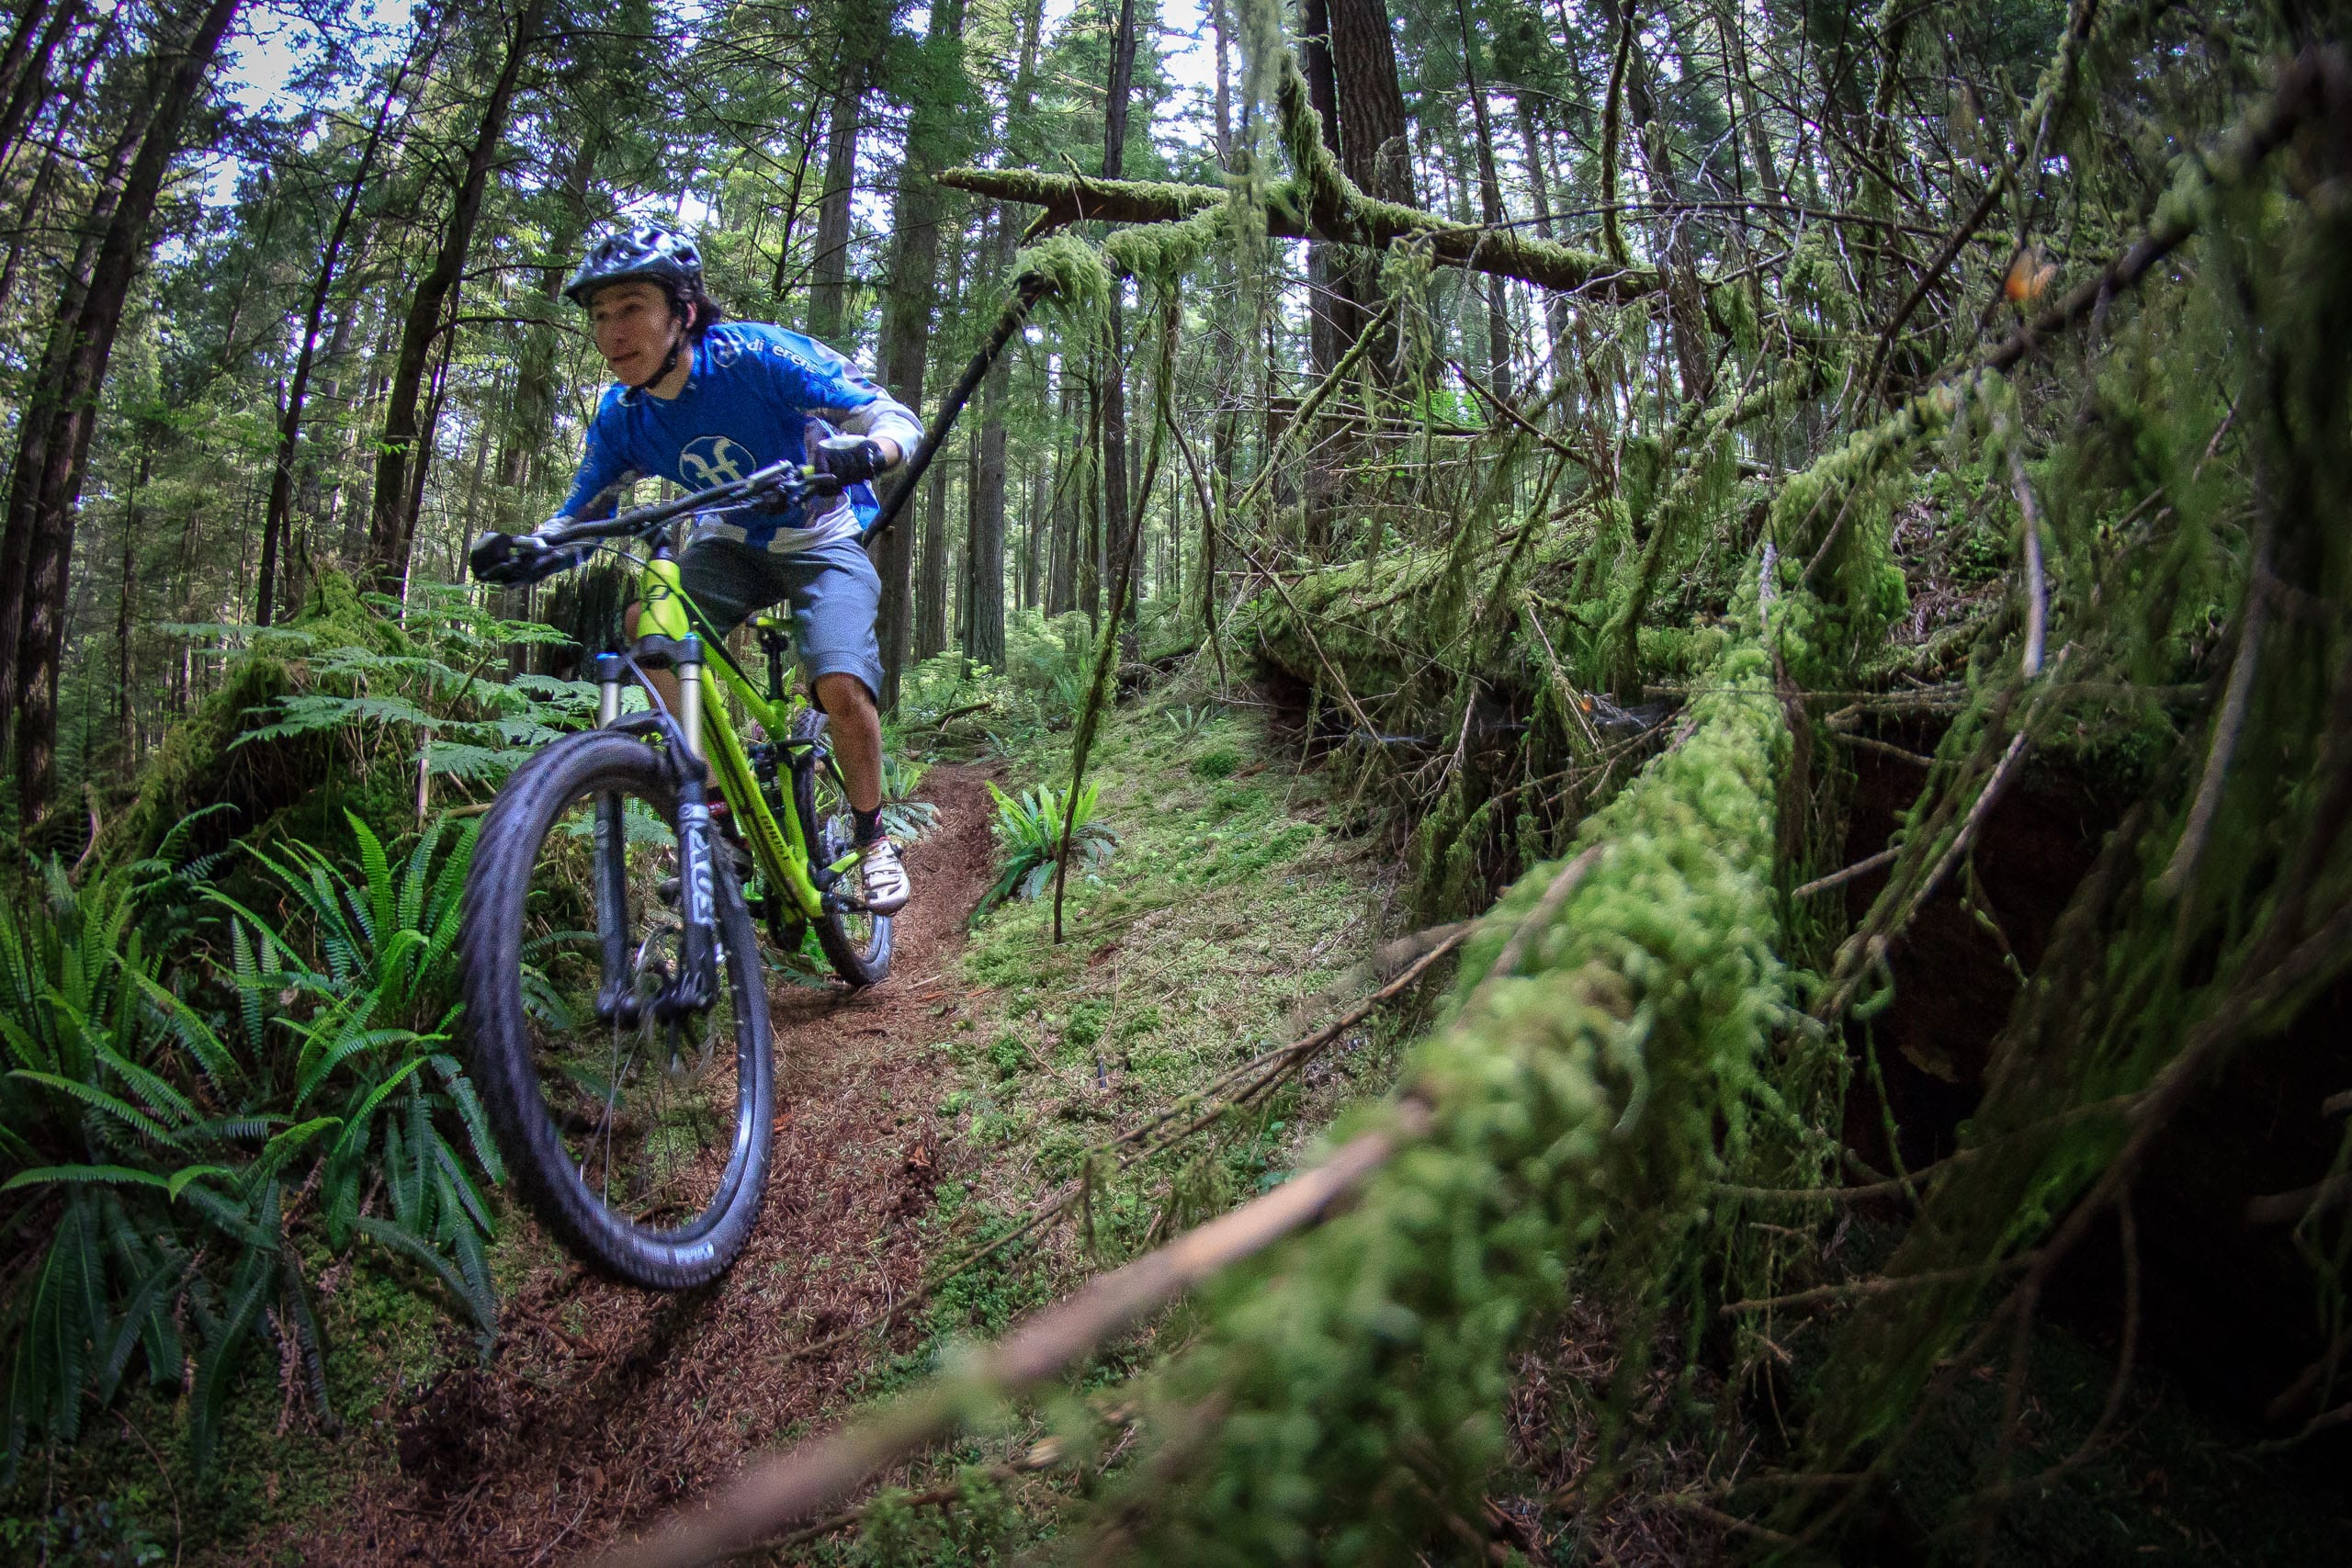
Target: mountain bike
615, 991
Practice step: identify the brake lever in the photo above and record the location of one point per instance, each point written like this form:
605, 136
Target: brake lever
788, 490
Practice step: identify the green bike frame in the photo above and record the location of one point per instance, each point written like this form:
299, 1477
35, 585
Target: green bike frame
780, 849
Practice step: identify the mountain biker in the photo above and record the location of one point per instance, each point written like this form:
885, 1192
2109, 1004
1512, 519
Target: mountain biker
701, 403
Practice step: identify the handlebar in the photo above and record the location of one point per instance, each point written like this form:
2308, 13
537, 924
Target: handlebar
526, 557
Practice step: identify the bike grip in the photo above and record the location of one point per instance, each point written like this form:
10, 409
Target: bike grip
492, 557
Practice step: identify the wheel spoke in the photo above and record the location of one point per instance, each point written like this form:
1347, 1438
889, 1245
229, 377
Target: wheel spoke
658, 1141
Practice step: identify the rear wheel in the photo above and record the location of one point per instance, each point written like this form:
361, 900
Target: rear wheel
856, 942
640, 1142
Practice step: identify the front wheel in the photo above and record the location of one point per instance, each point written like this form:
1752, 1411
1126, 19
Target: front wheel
640, 1142
856, 941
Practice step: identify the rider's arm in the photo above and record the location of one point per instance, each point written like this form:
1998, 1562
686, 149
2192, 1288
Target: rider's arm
824, 384
886, 420
605, 466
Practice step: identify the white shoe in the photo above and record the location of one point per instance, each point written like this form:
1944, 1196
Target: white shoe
887, 888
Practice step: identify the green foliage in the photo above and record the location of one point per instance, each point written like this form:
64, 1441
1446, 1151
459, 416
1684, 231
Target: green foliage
1588, 1090
332, 708
433, 687
1217, 762
162, 1128
904, 818
1029, 836
1191, 721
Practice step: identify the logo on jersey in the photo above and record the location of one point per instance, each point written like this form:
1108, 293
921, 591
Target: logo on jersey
710, 460
723, 349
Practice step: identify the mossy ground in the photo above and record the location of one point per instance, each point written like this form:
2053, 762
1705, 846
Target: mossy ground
1227, 909
1230, 906
1233, 918
127, 1495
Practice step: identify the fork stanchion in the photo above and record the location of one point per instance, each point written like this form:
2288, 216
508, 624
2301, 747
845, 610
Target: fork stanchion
608, 689
689, 670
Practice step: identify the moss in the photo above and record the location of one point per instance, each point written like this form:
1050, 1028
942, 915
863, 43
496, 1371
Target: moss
200, 764
1596, 1084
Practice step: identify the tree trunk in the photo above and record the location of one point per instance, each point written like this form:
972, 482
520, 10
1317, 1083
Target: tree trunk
1086, 568
1372, 104
1114, 369
1332, 319
1061, 591
1685, 310
354, 516
1490, 208
290, 423
405, 447
1555, 308
792, 206
531, 412
24, 72
932, 143
930, 589
36, 421
52, 487
1038, 534
1223, 110
829, 269
126, 721
984, 538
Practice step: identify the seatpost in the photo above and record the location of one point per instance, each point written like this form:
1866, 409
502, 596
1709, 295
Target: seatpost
775, 644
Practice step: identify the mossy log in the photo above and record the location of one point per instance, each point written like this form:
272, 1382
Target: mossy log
1602, 1064
1073, 198
1318, 202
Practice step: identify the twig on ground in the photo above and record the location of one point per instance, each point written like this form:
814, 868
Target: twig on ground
1268, 1069
792, 1486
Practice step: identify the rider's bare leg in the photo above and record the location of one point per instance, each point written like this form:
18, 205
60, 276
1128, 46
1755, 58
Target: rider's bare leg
857, 737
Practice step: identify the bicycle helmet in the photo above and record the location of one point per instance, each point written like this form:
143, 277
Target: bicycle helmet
647, 253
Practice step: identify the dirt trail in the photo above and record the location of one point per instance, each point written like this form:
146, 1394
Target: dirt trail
604, 1403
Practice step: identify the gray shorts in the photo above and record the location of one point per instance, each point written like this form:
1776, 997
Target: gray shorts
834, 592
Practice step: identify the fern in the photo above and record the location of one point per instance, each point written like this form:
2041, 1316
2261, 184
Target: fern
146, 1137
1029, 829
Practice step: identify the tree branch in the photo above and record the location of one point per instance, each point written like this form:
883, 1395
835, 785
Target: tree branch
1360, 220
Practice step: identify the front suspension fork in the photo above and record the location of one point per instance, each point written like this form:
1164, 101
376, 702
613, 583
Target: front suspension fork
695, 986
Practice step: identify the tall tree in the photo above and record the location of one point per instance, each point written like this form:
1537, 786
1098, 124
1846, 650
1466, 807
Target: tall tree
930, 585
1685, 305
984, 545
1114, 385
984, 538
864, 27
936, 137
23, 66
1490, 206
289, 425
405, 446
36, 421
46, 490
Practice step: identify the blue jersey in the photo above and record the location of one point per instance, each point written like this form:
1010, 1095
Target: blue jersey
752, 396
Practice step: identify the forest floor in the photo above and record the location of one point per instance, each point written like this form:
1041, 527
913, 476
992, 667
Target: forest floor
1247, 898
920, 1121
605, 1402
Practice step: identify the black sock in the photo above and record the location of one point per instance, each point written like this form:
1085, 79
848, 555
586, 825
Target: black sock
869, 824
